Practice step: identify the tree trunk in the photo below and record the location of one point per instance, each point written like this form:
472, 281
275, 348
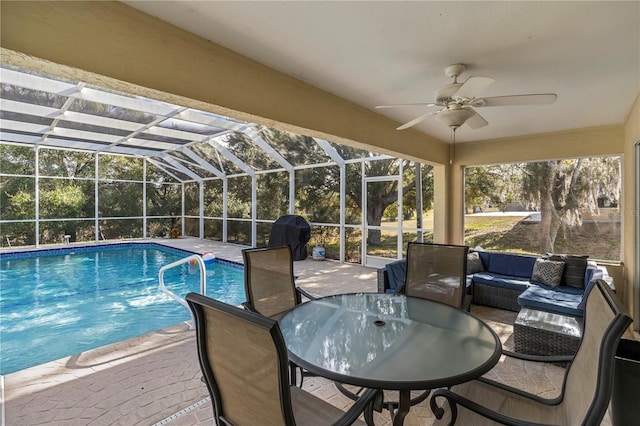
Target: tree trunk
550, 218
374, 218
374, 237
546, 215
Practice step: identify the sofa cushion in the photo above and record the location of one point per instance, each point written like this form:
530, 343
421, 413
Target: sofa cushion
504, 281
474, 263
396, 274
547, 272
563, 300
593, 272
485, 256
574, 269
511, 264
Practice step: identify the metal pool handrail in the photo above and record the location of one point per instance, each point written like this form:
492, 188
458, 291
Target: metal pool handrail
203, 281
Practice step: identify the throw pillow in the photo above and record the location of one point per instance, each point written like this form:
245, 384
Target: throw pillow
574, 269
474, 263
548, 272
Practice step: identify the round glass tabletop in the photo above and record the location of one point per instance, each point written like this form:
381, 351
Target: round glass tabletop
389, 341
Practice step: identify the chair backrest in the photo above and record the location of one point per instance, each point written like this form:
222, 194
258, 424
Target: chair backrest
437, 272
243, 358
589, 378
268, 280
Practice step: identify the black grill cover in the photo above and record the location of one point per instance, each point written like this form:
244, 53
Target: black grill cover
294, 231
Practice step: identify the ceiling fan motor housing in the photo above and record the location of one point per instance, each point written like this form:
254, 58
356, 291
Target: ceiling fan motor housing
454, 70
444, 95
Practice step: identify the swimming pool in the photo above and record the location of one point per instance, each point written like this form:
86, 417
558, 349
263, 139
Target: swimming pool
56, 303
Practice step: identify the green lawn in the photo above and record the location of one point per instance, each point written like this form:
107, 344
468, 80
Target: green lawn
600, 240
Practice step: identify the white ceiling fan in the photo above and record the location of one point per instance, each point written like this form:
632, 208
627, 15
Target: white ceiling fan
456, 100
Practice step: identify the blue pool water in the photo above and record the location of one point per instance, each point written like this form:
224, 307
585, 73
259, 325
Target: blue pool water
58, 303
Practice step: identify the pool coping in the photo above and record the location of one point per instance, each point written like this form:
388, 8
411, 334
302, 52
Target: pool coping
95, 367
8, 254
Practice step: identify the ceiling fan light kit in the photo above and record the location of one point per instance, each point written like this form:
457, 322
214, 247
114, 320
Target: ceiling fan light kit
455, 117
456, 100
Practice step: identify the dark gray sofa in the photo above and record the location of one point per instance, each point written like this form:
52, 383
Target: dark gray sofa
505, 281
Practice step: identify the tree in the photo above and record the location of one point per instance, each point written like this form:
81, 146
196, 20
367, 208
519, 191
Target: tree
67, 186
317, 195
562, 188
480, 187
380, 195
17, 198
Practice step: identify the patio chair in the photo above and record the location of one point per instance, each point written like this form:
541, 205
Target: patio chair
243, 358
270, 287
587, 386
438, 272
435, 272
269, 281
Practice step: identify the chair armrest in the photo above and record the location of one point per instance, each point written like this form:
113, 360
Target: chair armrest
249, 307
366, 401
300, 292
520, 392
539, 358
454, 399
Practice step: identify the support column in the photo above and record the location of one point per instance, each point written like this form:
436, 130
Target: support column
440, 205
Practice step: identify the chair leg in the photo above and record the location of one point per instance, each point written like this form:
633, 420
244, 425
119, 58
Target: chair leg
374, 405
293, 374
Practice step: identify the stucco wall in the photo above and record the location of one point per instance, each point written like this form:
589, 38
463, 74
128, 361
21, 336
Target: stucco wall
630, 213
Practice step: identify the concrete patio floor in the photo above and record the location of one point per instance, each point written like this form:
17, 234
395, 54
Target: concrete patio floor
154, 379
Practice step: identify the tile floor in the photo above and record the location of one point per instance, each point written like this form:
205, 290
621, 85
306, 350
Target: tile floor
155, 379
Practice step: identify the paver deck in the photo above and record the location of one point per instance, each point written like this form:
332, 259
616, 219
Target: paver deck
155, 378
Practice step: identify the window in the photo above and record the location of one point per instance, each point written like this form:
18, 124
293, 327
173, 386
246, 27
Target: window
559, 206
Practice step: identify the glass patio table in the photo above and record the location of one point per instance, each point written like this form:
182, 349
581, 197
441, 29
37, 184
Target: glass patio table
389, 342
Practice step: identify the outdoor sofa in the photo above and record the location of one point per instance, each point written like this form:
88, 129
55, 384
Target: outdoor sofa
512, 281
546, 291
507, 281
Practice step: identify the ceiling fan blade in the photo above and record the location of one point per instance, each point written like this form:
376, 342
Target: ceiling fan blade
406, 105
532, 99
416, 120
472, 87
476, 121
